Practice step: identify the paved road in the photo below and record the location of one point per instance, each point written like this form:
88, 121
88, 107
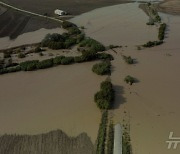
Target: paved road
28, 12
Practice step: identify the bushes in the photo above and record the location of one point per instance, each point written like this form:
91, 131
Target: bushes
29, 65
104, 56
110, 141
129, 79
100, 149
67, 24
67, 60
10, 70
74, 31
152, 44
44, 64
128, 59
92, 44
57, 60
162, 30
102, 68
104, 98
88, 55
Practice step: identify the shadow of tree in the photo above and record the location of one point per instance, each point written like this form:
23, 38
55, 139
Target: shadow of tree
119, 99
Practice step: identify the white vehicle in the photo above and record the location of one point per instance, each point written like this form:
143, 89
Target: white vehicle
60, 12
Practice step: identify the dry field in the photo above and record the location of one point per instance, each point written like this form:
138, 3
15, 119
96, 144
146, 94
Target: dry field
14, 23
170, 6
54, 142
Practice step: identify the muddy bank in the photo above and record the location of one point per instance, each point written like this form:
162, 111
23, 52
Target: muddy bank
53, 142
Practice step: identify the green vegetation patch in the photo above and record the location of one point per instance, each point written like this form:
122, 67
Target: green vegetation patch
129, 79
92, 45
152, 44
103, 68
162, 30
105, 97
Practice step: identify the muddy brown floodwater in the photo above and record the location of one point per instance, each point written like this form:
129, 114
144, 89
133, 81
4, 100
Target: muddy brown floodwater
56, 98
150, 106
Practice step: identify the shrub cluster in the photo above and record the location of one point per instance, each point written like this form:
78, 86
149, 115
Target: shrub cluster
128, 59
101, 138
66, 40
162, 30
104, 98
92, 45
10, 69
103, 68
110, 141
129, 79
152, 44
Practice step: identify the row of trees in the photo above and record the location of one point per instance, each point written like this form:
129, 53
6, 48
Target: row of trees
152, 43
101, 138
59, 60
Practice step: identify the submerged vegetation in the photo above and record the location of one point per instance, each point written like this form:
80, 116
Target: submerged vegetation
128, 59
105, 97
103, 68
92, 50
129, 79
152, 44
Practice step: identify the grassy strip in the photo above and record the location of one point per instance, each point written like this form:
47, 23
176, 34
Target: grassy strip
110, 141
126, 143
103, 68
101, 139
104, 98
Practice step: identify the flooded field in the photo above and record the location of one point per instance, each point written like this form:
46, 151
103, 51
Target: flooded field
56, 98
150, 106
62, 97
119, 25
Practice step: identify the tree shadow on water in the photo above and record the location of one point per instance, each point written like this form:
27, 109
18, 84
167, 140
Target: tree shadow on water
119, 99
